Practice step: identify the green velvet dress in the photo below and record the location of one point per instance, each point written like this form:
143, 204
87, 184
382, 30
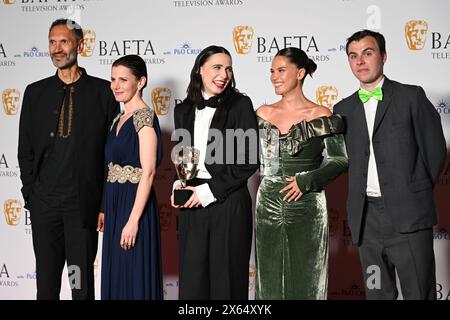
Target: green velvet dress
292, 237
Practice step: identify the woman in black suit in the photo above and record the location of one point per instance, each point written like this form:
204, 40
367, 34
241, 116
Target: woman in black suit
215, 224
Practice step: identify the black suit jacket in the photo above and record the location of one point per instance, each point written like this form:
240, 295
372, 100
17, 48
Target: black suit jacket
410, 152
235, 113
96, 108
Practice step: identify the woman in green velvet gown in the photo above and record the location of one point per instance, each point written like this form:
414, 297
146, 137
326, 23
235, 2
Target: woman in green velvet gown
291, 209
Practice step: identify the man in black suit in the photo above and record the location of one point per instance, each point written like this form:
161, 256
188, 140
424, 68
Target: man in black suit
63, 126
396, 151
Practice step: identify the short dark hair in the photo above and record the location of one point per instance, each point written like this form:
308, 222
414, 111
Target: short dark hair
136, 65
368, 33
194, 90
299, 58
72, 25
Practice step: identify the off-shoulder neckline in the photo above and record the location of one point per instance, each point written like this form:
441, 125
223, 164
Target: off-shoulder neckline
295, 124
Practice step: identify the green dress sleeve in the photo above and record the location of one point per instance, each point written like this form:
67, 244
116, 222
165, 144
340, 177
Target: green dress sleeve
337, 162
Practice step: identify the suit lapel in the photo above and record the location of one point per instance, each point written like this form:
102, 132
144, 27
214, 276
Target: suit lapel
219, 119
383, 105
189, 118
359, 117
52, 101
218, 122
81, 105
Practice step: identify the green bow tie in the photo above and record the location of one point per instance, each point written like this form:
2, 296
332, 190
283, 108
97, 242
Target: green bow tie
365, 95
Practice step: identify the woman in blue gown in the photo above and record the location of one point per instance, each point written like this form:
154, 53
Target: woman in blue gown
131, 258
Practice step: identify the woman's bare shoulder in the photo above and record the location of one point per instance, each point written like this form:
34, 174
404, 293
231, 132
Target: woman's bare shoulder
320, 111
265, 110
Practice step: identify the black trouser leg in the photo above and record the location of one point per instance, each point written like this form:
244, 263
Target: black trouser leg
194, 264
81, 249
383, 249
215, 245
48, 243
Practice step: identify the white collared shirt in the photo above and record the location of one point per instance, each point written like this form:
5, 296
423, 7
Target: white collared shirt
370, 109
203, 119
202, 123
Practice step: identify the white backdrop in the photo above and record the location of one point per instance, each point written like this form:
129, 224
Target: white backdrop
168, 35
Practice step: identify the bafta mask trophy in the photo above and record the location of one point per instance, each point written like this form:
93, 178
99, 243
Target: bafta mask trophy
186, 161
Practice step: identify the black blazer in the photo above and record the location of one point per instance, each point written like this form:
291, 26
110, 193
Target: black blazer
410, 151
234, 113
96, 108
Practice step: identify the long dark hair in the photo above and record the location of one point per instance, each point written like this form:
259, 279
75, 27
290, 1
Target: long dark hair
136, 65
299, 58
194, 90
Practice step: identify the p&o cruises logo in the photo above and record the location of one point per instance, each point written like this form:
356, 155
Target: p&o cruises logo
184, 49
443, 108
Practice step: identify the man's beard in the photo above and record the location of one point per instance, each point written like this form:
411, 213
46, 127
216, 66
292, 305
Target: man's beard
67, 62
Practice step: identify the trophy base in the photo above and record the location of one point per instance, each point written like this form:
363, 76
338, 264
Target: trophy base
181, 196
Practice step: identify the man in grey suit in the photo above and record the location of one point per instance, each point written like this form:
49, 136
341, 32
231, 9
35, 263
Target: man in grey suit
396, 149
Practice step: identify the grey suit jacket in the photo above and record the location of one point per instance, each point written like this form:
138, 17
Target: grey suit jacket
410, 151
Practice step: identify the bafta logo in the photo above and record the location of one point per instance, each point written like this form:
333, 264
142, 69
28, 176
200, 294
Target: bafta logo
161, 100
326, 96
185, 160
10, 99
165, 216
416, 34
12, 209
242, 39
9, 1
89, 43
